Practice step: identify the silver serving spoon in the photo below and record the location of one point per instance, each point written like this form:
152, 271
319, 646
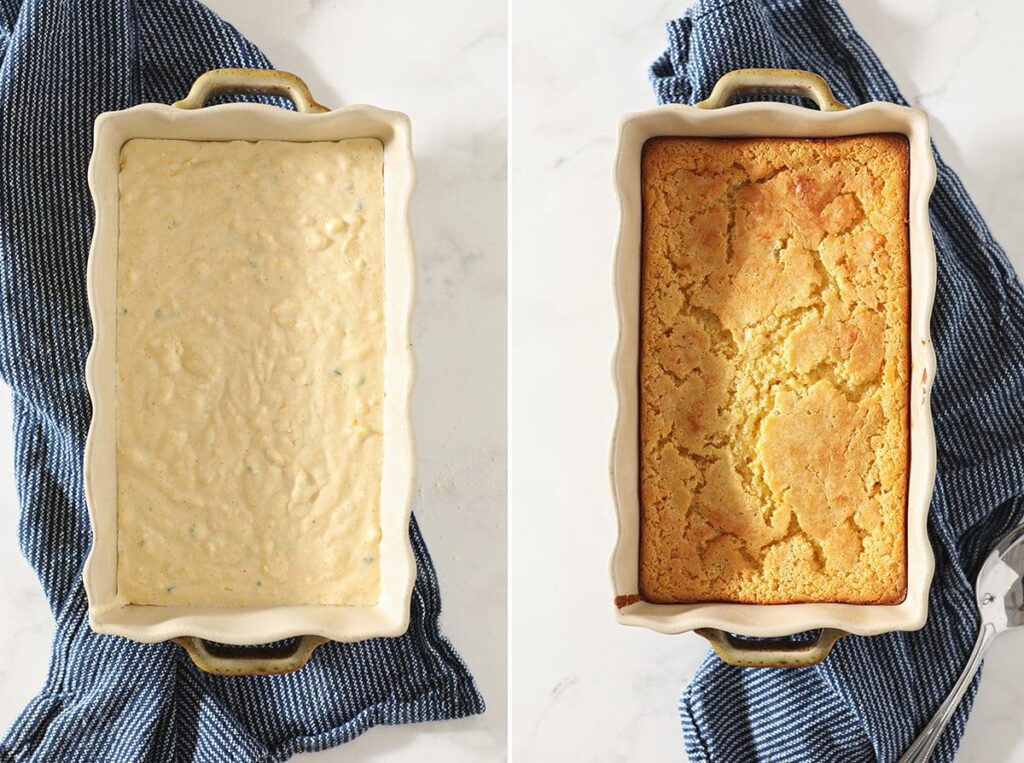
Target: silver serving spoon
1000, 593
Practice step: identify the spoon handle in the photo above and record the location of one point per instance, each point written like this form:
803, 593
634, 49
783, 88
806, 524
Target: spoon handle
922, 747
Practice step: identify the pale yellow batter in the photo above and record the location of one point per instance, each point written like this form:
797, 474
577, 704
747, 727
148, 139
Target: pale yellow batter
250, 372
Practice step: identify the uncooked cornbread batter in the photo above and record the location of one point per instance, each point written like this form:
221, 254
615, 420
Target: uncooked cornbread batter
250, 372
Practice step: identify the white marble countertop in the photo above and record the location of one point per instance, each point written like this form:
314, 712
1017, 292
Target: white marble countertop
582, 687
448, 72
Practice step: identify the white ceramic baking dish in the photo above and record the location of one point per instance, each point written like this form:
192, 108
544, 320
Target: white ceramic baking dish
193, 627
715, 118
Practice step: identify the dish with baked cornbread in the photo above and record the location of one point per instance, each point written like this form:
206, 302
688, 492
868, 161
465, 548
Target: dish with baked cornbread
773, 455
249, 466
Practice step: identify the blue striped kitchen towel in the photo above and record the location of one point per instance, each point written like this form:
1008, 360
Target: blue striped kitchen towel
871, 697
108, 699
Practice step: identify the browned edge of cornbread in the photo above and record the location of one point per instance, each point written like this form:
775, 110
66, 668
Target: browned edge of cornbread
901, 143
625, 601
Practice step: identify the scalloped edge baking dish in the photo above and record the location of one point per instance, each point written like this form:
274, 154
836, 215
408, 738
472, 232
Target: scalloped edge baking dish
763, 119
251, 121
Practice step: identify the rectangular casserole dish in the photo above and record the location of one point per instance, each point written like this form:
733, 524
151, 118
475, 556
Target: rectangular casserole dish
314, 624
716, 620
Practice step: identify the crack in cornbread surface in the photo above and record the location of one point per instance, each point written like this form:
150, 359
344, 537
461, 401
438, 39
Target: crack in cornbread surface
774, 370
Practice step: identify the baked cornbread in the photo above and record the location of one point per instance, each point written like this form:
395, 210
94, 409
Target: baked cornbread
774, 370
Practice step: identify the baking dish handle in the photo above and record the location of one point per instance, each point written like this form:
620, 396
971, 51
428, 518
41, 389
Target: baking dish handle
249, 660
257, 81
787, 81
771, 653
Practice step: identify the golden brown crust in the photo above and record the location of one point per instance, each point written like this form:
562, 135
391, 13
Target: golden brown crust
774, 370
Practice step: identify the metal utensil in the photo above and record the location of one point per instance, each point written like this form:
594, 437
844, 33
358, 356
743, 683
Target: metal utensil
1000, 594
